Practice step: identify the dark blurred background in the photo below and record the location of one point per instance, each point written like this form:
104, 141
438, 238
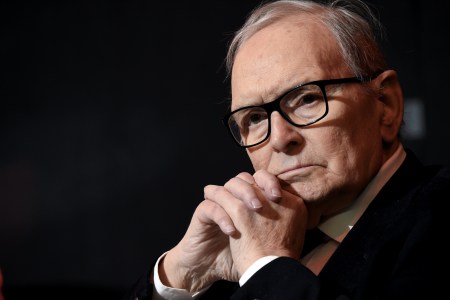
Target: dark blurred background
110, 128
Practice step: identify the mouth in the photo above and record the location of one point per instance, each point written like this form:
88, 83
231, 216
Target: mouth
296, 173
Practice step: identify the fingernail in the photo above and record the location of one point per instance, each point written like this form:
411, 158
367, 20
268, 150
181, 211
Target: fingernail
255, 203
229, 229
276, 193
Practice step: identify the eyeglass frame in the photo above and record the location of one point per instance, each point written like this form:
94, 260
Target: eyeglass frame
274, 105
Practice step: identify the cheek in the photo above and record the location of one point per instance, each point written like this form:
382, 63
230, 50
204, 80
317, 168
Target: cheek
338, 146
259, 158
338, 150
356, 133
354, 154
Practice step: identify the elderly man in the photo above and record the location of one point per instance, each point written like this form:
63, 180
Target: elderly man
319, 114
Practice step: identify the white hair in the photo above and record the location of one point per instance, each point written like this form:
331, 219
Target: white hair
353, 24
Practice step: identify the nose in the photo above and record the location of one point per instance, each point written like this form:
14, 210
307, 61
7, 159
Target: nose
283, 135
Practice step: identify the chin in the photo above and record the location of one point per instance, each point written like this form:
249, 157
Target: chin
310, 192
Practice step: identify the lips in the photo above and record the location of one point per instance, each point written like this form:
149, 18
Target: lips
296, 172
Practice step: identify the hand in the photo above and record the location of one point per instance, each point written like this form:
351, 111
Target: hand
276, 227
203, 255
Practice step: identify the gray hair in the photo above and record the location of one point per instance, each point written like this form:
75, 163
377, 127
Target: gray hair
356, 29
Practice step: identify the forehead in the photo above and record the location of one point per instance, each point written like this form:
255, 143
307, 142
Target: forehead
282, 55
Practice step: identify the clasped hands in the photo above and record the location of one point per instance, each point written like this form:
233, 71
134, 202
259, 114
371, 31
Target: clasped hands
249, 217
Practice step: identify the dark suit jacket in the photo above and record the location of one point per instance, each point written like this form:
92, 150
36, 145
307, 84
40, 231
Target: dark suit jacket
392, 252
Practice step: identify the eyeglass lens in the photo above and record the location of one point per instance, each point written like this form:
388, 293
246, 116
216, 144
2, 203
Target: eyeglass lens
301, 106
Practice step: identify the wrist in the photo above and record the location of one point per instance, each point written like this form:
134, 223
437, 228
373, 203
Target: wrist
168, 272
174, 275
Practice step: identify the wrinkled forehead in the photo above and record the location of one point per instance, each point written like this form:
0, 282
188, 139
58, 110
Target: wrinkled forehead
286, 53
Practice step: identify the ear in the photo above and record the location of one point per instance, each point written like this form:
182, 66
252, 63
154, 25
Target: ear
389, 91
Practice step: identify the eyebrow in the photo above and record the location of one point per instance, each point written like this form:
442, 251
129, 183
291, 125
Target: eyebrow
271, 96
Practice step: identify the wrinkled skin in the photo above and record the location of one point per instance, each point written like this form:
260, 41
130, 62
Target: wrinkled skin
213, 251
302, 174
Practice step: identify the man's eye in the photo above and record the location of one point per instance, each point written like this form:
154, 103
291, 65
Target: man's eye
302, 99
254, 118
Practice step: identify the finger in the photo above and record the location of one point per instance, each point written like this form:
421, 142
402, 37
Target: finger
246, 177
239, 194
270, 185
210, 212
244, 188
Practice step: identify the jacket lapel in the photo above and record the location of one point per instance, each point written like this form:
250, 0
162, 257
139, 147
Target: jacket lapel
376, 233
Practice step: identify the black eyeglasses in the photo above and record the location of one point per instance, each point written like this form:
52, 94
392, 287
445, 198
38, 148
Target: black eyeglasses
301, 106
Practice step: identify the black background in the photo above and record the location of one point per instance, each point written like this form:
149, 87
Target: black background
110, 128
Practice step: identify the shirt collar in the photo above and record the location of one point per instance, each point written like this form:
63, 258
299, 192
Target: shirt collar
340, 224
